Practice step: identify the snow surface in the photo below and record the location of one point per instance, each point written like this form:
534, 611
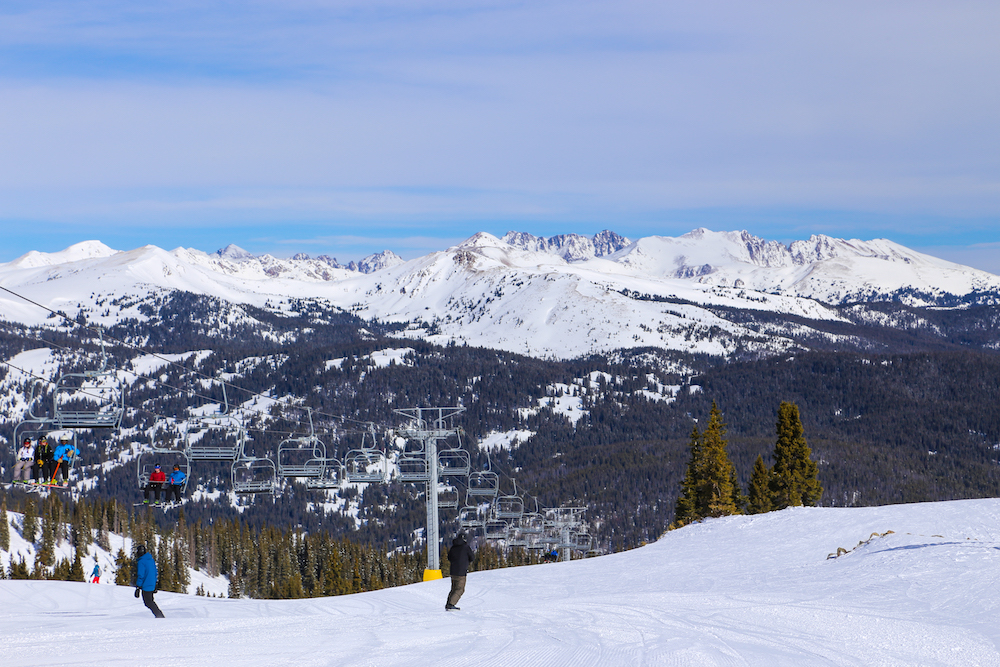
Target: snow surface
754, 590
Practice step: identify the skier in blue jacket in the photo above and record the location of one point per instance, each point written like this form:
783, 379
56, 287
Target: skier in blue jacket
63, 456
176, 482
145, 579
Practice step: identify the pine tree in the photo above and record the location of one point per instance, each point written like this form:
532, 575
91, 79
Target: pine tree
794, 477
685, 511
76, 570
759, 500
124, 569
4, 527
710, 488
29, 527
103, 536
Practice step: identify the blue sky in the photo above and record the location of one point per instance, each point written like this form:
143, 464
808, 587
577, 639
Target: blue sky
346, 128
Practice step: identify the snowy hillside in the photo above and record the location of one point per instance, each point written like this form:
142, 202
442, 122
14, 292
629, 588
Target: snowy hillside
564, 297
757, 590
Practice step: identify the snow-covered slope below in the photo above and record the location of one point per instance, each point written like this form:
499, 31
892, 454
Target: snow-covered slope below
754, 590
562, 297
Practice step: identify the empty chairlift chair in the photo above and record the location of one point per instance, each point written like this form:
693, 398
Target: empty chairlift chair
252, 475
91, 399
454, 463
215, 438
470, 518
365, 465
333, 476
496, 529
484, 483
301, 457
448, 498
412, 468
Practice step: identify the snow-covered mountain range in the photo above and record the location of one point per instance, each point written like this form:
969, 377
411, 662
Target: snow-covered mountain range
563, 297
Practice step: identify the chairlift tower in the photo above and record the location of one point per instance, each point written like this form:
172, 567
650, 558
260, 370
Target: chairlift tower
428, 425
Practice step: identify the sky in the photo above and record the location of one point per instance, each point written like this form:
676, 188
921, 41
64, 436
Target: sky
914, 585
346, 128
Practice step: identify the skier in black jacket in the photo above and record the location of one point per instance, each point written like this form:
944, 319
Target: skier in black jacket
460, 556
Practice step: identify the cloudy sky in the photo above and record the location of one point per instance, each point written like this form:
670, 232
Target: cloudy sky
349, 127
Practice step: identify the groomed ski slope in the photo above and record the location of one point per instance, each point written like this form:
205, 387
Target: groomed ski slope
734, 591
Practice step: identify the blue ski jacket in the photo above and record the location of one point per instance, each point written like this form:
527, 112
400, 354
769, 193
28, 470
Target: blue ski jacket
64, 453
177, 477
145, 573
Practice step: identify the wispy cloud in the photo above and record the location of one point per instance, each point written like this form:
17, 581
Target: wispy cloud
544, 114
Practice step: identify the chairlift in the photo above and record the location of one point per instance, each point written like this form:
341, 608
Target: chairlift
215, 437
166, 459
495, 529
365, 465
448, 498
484, 483
581, 541
469, 517
531, 523
412, 469
36, 429
301, 457
253, 475
332, 476
509, 507
90, 399
454, 463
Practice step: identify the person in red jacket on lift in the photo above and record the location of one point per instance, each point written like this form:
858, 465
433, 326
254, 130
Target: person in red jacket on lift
155, 485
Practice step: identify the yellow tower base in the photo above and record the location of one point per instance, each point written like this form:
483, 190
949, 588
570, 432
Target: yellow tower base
431, 575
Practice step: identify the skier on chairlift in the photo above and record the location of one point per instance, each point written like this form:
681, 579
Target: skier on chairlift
176, 482
155, 486
63, 457
25, 461
44, 462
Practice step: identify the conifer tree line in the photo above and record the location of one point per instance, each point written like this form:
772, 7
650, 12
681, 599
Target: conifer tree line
260, 563
710, 487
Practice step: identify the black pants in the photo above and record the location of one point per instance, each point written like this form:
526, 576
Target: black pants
156, 488
147, 599
175, 491
43, 473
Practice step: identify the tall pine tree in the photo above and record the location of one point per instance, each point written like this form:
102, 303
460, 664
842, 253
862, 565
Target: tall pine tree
759, 500
794, 477
709, 488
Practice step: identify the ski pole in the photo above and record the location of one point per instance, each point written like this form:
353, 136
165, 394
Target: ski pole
55, 472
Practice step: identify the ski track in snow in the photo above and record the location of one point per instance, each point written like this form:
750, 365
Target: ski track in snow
735, 591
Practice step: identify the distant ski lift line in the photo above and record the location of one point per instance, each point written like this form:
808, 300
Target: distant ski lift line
484, 483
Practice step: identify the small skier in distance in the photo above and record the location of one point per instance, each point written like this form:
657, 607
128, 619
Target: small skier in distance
96, 574
460, 556
145, 579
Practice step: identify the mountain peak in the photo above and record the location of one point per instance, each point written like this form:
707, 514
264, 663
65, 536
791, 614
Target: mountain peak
234, 253
571, 247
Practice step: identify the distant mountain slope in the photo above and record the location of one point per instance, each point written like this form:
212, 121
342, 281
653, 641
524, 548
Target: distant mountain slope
718, 293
